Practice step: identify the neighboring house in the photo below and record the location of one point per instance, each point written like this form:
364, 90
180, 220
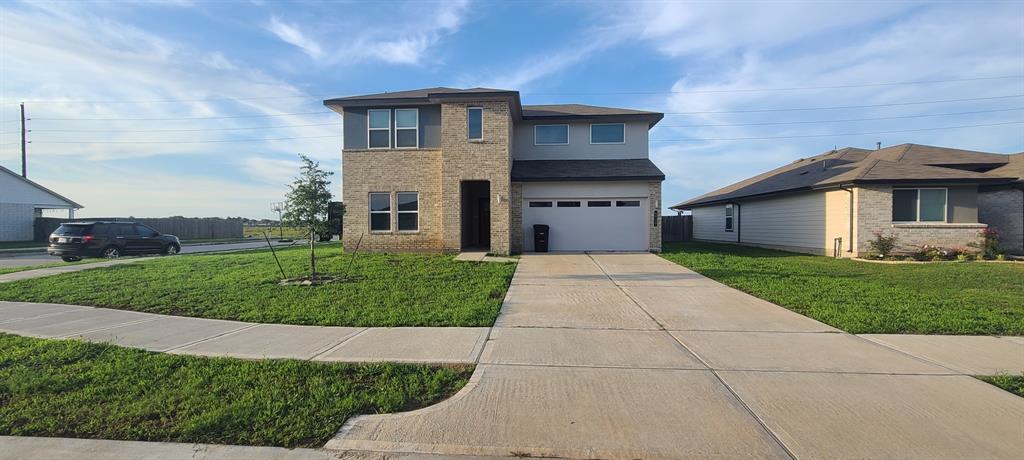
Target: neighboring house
445, 169
21, 201
837, 201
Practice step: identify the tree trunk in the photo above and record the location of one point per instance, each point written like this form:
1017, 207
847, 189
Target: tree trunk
312, 253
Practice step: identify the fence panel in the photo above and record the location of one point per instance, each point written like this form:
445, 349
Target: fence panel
676, 228
186, 228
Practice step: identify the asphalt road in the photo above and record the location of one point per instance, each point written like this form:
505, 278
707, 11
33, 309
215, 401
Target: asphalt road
38, 258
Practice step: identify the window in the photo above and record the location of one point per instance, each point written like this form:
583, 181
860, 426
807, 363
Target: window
613, 133
628, 204
378, 129
540, 204
145, 231
728, 217
599, 204
568, 204
551, 135
919, 205
408, 211
407, 124
475, 123
380, 212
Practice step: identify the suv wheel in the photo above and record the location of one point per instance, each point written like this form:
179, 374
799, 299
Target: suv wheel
171, 249
70, 258
112, 252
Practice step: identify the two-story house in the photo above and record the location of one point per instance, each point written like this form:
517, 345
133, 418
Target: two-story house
443, 169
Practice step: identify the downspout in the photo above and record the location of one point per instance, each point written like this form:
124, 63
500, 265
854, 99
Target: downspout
850, 191
736, 222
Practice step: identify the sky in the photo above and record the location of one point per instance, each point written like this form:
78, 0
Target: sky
200, 108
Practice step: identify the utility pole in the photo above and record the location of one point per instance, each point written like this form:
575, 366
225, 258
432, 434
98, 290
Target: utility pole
24, 169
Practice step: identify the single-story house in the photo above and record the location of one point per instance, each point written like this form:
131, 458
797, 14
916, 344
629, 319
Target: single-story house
834, 203
21, 201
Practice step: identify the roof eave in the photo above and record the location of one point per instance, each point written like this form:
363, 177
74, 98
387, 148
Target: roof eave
588, 178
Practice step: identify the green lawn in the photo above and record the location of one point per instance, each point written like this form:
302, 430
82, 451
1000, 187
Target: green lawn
388, 290
273, 232
6, 270
859, 297
81, 390
1012, 383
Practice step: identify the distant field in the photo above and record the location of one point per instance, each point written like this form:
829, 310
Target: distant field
273, 232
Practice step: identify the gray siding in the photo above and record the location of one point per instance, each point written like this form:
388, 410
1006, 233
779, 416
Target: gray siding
709, 224
579, 147
16, 221
794, 221
355, 127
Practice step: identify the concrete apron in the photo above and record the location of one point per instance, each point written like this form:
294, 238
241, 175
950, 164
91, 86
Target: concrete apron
632, 356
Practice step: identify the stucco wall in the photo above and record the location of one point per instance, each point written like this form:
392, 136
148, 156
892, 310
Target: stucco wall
579, 147
1004, 211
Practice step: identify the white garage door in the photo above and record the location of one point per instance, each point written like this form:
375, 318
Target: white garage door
588, 224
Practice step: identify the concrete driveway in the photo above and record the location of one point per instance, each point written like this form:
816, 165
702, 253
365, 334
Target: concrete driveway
632, 356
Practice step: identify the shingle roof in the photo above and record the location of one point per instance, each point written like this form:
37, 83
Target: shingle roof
419, 93
585, 170
581, 111
901, 163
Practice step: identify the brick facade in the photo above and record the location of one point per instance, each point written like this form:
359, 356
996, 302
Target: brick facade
654, 224
516, 219
489, 159
1004, 211
874, 214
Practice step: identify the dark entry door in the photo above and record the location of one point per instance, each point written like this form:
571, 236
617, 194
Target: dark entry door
476, 215
483, 207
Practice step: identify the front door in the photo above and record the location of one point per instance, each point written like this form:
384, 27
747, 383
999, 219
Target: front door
476, 215
483, 207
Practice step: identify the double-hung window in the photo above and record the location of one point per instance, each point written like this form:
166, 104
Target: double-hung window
919, 205
378, 128
475, 123
380, 212
407, 128
408, 211
608, 133
551, 135
728, 217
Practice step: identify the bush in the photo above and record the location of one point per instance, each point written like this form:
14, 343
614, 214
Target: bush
883, 245
989, 245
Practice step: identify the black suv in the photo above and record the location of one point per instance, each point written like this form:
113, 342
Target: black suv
74, 240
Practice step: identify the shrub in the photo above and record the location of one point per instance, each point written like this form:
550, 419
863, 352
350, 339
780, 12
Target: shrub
989, 244
883, 245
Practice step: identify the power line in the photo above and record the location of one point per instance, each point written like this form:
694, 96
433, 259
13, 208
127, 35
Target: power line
188, 142
184, 118
772, 123
834, 134
894, 104
622, 92
178, 130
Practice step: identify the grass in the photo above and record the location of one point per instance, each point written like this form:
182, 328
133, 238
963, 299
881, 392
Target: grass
1012, 383
388, 289
970, 298
273, 232
82, 390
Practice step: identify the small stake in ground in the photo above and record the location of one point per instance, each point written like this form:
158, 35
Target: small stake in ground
272, 251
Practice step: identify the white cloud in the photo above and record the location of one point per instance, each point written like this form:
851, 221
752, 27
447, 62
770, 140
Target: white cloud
293, 36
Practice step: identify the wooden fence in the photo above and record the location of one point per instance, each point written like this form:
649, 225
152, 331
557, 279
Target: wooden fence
186, 228
676, 228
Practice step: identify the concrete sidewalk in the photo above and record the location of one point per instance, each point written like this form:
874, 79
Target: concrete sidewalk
631, 356
210, 337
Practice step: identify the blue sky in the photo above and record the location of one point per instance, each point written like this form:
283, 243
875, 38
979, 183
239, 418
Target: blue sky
137, 108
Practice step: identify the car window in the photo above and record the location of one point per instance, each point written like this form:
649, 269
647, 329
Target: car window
123, 229
100, 229
71, 230
143, 230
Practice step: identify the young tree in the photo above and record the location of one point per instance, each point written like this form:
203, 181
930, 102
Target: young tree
306, 204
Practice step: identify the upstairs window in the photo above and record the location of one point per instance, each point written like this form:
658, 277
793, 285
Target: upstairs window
611, 133
551, 135
475, 123
919, 205
407, 128
378, 129
728, 217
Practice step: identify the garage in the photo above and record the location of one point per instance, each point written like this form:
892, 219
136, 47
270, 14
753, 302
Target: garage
598, 216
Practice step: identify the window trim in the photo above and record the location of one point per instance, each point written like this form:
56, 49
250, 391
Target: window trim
399, 212
371, 212
592, 125
560, 124
481, 109
388, 129
917, 211
730, 218
416, 128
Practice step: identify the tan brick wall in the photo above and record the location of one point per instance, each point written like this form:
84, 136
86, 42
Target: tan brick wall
1004, 211
874, 214
516, 218
488, 159
400, 170
654, 218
